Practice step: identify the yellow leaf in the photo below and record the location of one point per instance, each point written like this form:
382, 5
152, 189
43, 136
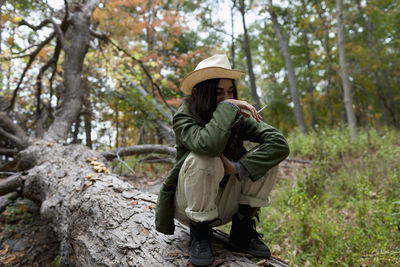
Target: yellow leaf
17, 19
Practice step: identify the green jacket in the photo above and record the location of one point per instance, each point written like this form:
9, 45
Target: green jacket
211, 140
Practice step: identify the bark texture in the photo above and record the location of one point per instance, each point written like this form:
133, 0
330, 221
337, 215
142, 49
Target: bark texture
75, 47
348, 102
108, 223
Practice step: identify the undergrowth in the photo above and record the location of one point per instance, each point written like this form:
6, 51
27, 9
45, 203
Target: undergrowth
342, 210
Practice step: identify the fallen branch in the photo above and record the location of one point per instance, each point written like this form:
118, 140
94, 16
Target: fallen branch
16, 134
10, 184
126, 165
139, 149
8, 152
304, 161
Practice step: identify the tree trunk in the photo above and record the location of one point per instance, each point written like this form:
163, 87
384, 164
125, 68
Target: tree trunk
325, 44
290, 70
75, 133
233, 58
75, 47
345, 72
1, 28
247, 51
310, 82
87, 118
103, 222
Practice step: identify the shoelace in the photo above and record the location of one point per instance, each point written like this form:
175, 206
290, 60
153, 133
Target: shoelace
203, 245
252, 232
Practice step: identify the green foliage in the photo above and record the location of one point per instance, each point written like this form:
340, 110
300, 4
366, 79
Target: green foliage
56, 262
15, 212
342, 210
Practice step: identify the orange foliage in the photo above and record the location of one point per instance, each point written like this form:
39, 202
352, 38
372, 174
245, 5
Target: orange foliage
176, 102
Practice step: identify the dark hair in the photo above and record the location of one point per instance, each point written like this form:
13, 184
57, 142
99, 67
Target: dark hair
203, 101
202, 104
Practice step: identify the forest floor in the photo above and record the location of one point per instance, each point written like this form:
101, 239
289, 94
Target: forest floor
27, 240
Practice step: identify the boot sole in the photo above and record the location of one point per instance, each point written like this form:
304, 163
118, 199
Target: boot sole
201, 262
253, 253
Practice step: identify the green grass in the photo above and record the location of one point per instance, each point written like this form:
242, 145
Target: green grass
342, 210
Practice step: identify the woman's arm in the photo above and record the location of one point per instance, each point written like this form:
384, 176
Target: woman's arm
272, 148
210, 139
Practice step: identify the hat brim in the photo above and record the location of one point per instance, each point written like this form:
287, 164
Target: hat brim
200, 75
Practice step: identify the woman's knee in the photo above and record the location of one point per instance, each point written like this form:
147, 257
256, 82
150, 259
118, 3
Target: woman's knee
205, 163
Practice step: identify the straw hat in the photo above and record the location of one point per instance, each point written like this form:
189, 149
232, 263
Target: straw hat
217, 66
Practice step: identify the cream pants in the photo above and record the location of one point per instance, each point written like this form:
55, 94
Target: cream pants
199, 196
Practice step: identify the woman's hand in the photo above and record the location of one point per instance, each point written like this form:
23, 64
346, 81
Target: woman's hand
243, 105
228, 166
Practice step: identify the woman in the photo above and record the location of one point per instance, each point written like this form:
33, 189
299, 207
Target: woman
215, 180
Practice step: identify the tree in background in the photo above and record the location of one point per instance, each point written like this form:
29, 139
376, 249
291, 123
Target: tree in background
345, 71
290, 69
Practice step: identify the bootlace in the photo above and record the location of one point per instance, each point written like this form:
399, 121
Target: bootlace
203, 244
252, 232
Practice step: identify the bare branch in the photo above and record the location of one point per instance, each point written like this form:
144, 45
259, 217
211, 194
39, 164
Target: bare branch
126, 165
17, 134
145, 69
10, 184
59, 32
99, 35
8, 151
139, 149
10, 136
154, 159
31, 59
33, 27
50, 63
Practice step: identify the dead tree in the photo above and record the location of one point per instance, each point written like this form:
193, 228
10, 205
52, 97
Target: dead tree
99, 219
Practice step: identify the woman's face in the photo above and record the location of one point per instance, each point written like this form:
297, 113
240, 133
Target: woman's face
224, 90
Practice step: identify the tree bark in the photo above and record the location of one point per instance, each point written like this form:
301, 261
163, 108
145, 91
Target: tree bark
139, 149
233, 57
13, 132
76, 46
106, 223
290, 70
310, 82
87, 117
351, 119
325, 44
1, 25
10, 184
249, 61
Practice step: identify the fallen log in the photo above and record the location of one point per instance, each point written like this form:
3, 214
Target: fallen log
99, 219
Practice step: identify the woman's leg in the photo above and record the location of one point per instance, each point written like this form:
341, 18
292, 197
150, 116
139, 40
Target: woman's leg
256, 194
197, 190
253, 196
195, 202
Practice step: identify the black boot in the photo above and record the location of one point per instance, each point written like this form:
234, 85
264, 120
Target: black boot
244, 235
200, 244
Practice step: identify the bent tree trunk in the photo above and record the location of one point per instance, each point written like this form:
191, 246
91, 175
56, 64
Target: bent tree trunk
104, 224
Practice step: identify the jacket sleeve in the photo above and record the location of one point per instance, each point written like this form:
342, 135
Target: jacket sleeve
208, 140
272, 148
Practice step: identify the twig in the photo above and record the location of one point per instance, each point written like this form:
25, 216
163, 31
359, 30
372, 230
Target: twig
126, 165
